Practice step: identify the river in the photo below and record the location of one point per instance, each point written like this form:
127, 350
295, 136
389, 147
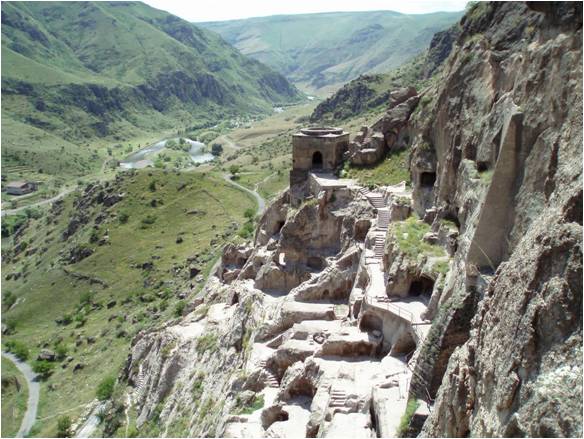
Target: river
140, 158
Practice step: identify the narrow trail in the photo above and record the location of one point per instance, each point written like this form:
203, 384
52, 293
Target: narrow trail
229, 142
39, 203
33, 394
90, 423
258, 197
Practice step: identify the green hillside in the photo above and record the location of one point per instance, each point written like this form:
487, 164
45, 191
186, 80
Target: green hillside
92, 73
85, 276
319, 50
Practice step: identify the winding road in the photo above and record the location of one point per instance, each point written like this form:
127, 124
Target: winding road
39, 203
258, 197
33, 394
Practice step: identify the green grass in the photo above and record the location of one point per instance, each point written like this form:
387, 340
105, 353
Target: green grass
486, 176
320, 50
392, 170
207, 342
14, 398
256, 404
404, 422
409, 235
47, 293
83, 78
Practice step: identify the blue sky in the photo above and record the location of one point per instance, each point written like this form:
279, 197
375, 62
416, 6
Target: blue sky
213, 10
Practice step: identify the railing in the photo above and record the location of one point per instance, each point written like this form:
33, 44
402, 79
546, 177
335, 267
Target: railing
395, 309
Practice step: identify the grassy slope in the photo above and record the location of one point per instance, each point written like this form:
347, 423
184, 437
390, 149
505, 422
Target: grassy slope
315, 50
47, 293
85, 75
13, 399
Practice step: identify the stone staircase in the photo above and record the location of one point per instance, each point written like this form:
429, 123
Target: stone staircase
383, 219
139, 383
271, 380
379, 247
338, 398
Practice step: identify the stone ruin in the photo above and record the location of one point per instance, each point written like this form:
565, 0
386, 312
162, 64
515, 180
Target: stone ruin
317, 149
372, 143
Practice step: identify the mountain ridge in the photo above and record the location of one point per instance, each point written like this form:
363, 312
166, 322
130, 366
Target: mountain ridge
326, 49
111, 70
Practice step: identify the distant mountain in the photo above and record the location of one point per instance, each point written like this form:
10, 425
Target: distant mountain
319, 50
83, 70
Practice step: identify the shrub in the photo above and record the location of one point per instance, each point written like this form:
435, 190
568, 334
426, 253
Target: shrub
234, 170
216, 149
94, 236
207, 342
85, 298
152, 186
179, 308
61, 351
249, 213
33, 213
404, 422
80, 320
43, 368
148, 220
8, 299
19, 349
198, 387
65, 320
105, 389
246, 230
123, 217
64, 426
256, 404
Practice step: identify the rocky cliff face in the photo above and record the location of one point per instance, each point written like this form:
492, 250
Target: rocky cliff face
463, 293
498, 152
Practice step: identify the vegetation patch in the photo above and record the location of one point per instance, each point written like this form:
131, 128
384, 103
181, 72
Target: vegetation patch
14, 398
207, 342
105, 389
392, 170
409, 235
255, 404
404, 423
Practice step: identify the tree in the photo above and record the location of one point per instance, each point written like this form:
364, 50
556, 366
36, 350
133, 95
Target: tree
216, 149
234, 169
64, 426
105, 389
19, 349
43, 368
249, 213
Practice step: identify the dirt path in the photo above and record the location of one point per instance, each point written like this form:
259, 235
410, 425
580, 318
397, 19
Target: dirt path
33, 394
39, 203
229, 142
258, 197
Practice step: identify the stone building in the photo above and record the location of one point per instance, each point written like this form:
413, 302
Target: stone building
20, 187
317, 149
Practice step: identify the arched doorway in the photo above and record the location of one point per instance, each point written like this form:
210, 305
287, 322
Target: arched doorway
317, 160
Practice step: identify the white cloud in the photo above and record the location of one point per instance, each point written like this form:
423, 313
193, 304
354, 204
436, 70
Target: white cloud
212, 10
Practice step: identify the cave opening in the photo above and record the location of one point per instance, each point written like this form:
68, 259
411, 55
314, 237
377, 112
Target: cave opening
279, 226
421, 286
482, 166
427, 179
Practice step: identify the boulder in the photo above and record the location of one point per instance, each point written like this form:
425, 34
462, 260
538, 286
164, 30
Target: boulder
47, 355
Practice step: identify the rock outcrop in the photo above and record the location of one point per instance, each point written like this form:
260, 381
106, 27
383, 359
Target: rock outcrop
371, 145
501, 161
